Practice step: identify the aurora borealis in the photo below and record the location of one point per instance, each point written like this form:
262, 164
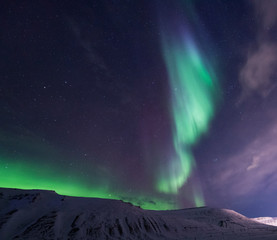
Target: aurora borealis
17, 174
193, 90
163, 104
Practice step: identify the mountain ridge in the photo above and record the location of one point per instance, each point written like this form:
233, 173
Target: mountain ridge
42, 214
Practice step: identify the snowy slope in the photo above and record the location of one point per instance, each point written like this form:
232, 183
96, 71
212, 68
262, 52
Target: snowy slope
267, 220
36, 214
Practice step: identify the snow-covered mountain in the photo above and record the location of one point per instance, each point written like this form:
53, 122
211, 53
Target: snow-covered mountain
267, 220
37, 214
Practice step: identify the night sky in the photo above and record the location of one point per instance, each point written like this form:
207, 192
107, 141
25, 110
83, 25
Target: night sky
165, 104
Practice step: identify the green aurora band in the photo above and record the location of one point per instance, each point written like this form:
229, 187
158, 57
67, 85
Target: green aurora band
194, 91
18, 173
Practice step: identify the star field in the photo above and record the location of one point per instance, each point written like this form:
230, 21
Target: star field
165, 105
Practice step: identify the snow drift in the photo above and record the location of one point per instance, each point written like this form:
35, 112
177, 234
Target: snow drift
38, 214
267, 220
